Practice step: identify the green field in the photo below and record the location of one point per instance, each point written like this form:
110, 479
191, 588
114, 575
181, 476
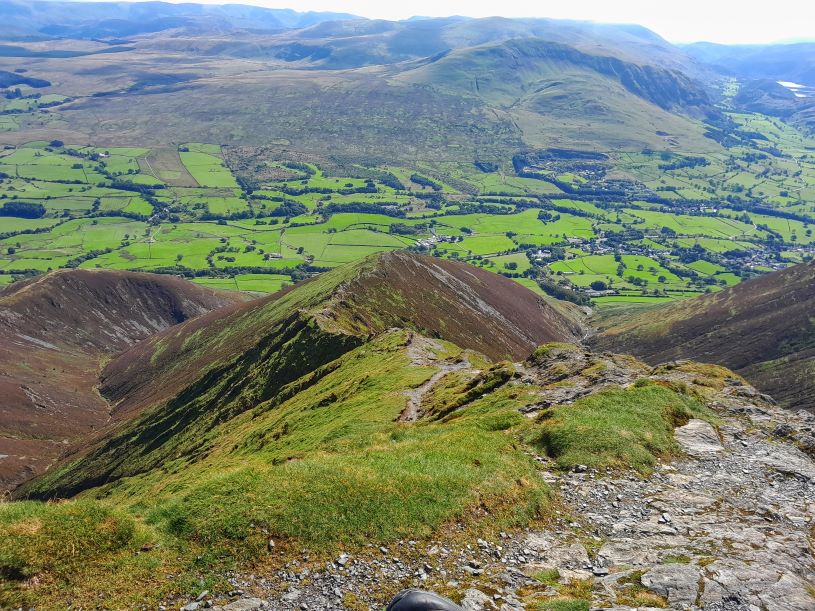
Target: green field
256, 283
205, 165
582, 271
184, 211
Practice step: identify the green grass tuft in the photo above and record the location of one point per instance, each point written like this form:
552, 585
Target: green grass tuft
617, 428
549, 577
57, 539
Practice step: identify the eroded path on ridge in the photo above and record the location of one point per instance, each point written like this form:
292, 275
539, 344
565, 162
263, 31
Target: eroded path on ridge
423, 352
726, 525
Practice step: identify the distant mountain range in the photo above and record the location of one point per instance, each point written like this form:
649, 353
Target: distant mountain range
44, 19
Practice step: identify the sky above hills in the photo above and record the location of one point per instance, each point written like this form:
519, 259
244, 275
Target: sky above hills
722, 21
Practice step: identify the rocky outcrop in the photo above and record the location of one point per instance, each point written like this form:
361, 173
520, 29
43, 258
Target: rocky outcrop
699, 439
725, 525
730, 523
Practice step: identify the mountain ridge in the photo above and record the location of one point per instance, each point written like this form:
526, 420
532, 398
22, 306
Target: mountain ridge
210, 369
761, 328
313, 436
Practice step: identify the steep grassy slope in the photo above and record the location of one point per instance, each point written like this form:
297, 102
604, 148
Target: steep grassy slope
55, 331
331, 464
534, 61
762, 329
175, 388
333, 416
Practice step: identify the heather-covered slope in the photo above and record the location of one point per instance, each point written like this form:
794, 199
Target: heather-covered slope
763, 329
55, 332
173, 389
337, 421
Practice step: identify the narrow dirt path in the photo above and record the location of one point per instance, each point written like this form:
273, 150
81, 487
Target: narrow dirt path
423, 352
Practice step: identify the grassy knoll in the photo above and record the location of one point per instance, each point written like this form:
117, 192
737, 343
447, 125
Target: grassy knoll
617, 428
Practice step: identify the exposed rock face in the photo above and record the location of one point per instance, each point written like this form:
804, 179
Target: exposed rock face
728, 524
676, 583
699, 439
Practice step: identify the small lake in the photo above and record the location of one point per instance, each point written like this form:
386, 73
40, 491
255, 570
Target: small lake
800, 91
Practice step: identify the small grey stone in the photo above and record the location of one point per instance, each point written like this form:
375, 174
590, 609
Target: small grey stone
244, 604
475, 600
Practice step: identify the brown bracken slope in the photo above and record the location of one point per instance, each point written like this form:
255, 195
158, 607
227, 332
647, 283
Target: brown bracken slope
764, 329
465, 305
56, 331
170, 391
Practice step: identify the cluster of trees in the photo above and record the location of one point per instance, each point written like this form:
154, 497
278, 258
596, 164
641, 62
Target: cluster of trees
235, 216
425, 182
548, 217
558, 291
684, 162
390, 180
488, 167
24, 210
87, 256
404, 229
289, 208
300, 167
386, 208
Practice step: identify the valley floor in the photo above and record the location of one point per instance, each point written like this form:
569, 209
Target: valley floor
728, 527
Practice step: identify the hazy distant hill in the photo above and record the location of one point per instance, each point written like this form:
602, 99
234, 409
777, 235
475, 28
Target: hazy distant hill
46, 19
760, 68
372, 90
784, 62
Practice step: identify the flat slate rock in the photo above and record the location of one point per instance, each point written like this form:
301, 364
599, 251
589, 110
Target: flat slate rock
698, 438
